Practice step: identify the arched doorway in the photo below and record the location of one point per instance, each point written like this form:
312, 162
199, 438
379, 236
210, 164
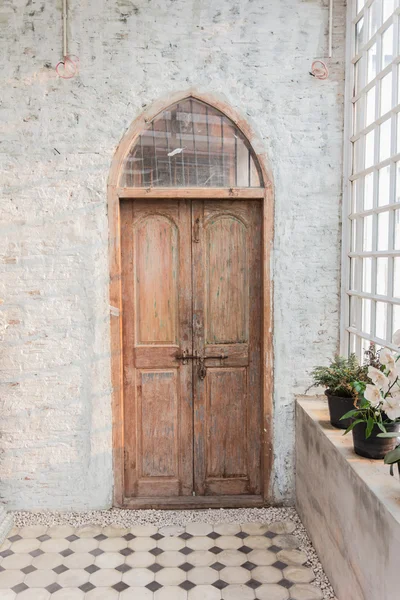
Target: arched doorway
191, 225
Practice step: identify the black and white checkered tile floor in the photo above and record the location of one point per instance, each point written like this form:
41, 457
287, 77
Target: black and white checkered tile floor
252, 561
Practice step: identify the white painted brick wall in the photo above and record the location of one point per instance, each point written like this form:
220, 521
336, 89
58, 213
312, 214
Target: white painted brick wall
56, 148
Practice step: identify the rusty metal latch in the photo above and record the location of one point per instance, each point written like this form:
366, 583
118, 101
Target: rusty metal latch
202, 371
196, 231
202, 368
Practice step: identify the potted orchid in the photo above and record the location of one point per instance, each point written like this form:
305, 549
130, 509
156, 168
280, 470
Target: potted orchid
379, 407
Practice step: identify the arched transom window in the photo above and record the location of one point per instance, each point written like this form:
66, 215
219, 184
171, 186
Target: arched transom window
191, 144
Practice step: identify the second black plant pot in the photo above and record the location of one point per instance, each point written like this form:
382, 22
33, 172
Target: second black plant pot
374, 447
338, 407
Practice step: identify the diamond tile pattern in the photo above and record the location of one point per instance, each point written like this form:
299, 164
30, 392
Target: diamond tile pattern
144, 568
249, 565
253, 584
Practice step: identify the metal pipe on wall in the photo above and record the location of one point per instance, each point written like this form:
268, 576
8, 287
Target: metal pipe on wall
65, 45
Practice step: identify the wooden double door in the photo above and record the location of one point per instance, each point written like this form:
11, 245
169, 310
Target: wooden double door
191, 290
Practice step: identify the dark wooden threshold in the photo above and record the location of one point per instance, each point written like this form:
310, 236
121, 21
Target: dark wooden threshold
182, 502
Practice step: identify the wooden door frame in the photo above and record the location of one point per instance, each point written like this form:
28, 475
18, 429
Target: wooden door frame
115, 194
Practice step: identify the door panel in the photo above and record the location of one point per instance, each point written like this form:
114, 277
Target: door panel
157, 395
226, 281
156, 292
227, 409
226, 422
156, 261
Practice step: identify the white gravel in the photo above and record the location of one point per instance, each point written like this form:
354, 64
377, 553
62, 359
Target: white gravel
160, 518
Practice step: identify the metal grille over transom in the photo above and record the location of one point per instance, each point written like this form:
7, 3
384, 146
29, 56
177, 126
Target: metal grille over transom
191, 144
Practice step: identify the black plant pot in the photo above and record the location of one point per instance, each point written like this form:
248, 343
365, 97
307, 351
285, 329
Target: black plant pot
374, 447
338, 407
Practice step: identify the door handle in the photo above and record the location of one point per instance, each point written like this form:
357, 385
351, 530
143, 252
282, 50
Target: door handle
202, 371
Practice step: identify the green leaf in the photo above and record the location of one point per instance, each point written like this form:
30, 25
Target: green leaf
393, 456
351, 426
382, 428
389, 434
370, 426
349, 414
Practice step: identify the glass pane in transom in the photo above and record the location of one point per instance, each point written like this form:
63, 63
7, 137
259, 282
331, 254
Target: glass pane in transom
191, 144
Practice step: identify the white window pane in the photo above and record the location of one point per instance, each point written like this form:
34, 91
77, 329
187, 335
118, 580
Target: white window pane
353, 269
381, 276
369, 191
397, 229
386, 94
367, 272
398, 86
359, 74
365, 346
360, 4
396, 274
354, 310
359, 34
352, 343
371, 69
370, 113
367, 231
381, 320
352, 274
357, 112
383, 231
387, 46
398, 132
356, 156
397, 199
353, 235
366, 315
354, 187
374, 17
384, 139
384, 186
369, 149
396, 318
388, 8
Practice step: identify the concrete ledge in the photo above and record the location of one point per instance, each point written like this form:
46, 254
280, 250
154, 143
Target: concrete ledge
350, 507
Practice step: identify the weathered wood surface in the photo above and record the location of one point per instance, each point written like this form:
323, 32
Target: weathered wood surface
156, 282
192, 193
227, 403
178, 437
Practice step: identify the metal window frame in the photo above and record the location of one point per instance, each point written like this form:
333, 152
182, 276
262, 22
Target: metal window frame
353, 212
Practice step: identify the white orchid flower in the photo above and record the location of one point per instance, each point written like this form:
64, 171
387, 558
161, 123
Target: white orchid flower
391, 406
386, 358
373, 394
393, 375
396, 338
378, 378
